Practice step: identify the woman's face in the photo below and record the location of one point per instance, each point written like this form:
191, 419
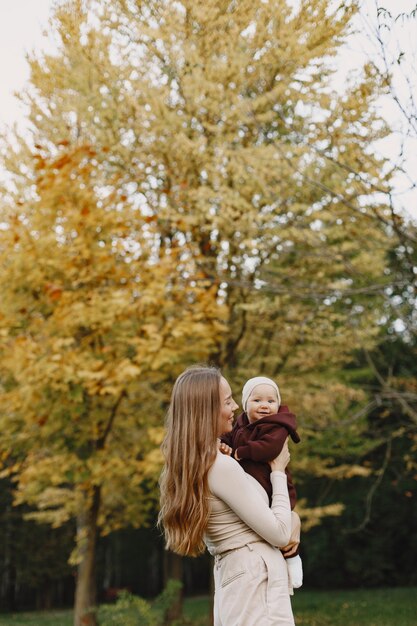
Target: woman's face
227, 407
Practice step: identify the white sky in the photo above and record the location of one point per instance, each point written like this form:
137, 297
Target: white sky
22, 28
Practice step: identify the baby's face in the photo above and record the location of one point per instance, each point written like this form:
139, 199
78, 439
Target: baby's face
262, 401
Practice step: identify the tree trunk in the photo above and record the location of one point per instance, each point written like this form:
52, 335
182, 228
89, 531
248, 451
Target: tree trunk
8, 572
173, 571
85, 590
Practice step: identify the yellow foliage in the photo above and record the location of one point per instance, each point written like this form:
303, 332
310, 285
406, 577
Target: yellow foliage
312, 516
197, 192
88, 329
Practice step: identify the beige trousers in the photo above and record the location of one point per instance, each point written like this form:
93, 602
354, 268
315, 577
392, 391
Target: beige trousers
251, 587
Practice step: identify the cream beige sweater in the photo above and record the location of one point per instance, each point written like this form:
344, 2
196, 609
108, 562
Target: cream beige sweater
239, 508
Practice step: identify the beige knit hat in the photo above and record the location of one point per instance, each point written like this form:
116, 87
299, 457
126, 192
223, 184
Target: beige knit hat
254, 382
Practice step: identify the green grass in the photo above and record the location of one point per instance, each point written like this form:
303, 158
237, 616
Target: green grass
37, 618
366, 607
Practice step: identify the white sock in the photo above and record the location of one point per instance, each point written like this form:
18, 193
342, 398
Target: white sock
295, 571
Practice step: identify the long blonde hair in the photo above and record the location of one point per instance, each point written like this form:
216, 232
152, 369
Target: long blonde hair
189, 448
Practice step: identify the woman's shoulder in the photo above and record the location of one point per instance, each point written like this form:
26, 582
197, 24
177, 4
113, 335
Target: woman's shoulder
225, 464
228, 481
225, 460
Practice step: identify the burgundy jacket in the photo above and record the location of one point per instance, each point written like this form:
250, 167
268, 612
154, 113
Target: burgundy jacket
258, 442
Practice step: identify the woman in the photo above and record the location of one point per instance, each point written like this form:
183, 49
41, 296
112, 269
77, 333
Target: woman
207, 499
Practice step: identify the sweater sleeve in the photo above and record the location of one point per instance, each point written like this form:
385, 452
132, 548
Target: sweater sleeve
228, 481
292, 492
265, 448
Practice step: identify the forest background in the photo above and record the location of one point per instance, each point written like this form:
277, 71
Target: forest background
193, 188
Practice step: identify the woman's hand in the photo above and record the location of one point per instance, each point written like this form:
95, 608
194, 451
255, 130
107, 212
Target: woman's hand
281, 461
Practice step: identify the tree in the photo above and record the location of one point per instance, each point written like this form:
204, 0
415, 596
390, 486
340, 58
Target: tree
393, 380
277, 171
93, 322
244, 152
34, 558
239, 177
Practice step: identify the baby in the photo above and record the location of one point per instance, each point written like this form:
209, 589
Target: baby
257, 437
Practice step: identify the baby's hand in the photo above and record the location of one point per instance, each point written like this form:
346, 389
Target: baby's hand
225, 449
